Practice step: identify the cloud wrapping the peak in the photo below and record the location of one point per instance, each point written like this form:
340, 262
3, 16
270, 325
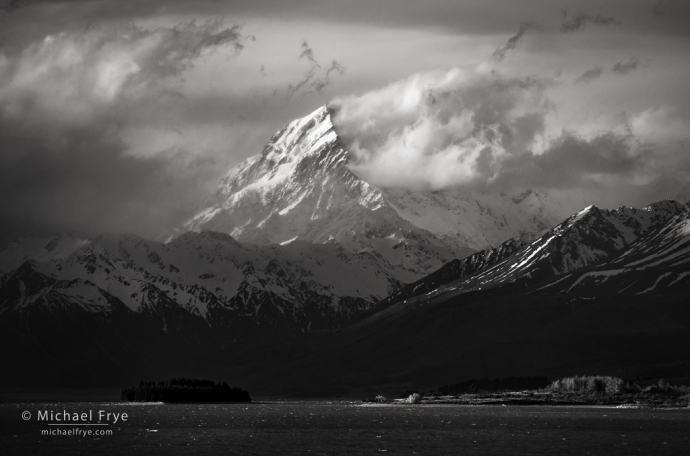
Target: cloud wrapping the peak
483, 130
442, 129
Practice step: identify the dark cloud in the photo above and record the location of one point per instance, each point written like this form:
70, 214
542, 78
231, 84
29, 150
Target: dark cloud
488, 17
589, 75
662, 7
82, 180
581, 20
315, 79
513, 42
572, 162
622, 68
65, 102
12, 5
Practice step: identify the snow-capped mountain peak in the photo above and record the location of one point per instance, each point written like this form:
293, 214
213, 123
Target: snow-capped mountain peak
301, 188
300, 178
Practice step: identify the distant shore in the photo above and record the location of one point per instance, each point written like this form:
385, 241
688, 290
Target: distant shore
548, 398
578, 390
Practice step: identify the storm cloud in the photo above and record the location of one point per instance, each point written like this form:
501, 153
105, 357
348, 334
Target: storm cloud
65, 103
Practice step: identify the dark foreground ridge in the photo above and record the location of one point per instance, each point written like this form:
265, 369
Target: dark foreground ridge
583, 390
184, 390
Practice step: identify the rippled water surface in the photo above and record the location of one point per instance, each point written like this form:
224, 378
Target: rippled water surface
339, 427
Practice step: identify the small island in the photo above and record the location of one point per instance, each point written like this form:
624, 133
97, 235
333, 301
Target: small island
182, 390
581, 390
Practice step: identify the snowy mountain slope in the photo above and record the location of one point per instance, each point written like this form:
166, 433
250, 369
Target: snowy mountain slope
301, 187
656, 263
25, 288
215, 279
590, 237
300, 176
482, 219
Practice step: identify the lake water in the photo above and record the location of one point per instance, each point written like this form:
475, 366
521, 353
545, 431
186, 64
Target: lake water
342, 427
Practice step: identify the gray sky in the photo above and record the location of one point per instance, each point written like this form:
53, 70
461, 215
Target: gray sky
121, 116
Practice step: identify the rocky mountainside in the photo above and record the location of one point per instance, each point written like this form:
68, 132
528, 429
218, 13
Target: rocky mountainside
658, 262
453, 271
590, 237
208, 278
300, 187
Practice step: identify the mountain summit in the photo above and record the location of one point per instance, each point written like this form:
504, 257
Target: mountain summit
296, 185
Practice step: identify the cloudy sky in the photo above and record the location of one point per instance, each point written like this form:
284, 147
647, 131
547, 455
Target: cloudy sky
121, 116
